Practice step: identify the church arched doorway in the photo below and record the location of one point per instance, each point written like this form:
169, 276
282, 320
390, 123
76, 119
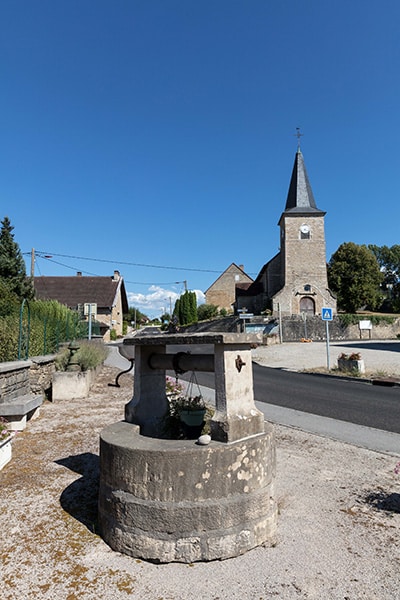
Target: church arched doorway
307, 306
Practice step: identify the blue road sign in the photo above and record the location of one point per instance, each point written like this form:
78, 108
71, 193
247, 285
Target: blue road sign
326, 314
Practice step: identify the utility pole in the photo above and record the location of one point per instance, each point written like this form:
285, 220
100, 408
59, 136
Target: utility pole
33, 263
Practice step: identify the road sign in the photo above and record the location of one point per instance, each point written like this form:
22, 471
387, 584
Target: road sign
326, 314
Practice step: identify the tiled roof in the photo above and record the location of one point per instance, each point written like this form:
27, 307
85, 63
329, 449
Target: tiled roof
72, 291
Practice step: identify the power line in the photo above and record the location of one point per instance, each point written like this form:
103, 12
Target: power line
47, 257
120, 262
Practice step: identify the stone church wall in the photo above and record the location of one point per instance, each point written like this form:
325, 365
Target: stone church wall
295, 328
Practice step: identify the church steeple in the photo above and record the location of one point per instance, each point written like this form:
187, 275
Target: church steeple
300, 198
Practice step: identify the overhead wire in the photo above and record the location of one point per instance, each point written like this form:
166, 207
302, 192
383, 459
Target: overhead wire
38, 255
132, 264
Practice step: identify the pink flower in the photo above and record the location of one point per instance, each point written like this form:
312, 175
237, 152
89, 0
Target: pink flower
397, 469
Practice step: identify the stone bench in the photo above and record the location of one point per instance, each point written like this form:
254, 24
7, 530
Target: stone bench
17, 403
19, 410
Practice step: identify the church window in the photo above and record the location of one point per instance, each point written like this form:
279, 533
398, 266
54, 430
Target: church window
307, 288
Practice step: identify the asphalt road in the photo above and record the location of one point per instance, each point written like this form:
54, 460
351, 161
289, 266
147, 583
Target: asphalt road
351, 401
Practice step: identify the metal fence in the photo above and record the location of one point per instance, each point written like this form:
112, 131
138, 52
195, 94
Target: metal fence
39, 328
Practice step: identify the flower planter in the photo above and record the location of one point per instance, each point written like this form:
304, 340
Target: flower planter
345, 364
193, 418
5, 451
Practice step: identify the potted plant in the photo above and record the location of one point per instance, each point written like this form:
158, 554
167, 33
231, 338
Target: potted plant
351, 362
6, 436
192, 410
186, 410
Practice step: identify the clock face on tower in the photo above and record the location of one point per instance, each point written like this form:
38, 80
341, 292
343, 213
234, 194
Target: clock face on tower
305, 228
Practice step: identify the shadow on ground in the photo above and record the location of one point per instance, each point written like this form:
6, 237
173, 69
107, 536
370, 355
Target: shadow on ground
383, 501
80, 498
367, 345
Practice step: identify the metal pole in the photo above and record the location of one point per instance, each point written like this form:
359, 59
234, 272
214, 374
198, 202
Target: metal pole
280, 322
327, 345
90, 322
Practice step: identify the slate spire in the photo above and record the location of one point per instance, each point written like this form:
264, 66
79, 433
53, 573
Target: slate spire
300, 198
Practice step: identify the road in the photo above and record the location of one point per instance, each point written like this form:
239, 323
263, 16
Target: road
346, 409
351, 401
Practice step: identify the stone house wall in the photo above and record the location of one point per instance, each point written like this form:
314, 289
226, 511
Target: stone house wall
222, 292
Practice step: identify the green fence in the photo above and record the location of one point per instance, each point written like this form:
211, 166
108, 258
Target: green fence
38, 328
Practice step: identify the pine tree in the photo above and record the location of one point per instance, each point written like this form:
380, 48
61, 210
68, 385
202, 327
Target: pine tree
193, 307
12, 265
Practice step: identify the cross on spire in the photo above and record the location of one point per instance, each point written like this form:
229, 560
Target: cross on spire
298, 135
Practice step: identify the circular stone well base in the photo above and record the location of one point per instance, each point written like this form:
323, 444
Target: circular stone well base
174, 500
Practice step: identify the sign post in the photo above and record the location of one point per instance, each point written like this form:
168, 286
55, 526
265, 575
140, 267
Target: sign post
327, 315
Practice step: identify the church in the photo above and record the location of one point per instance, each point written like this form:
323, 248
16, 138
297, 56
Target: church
294, 281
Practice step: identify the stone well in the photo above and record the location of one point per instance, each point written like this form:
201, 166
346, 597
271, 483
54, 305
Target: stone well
169, 500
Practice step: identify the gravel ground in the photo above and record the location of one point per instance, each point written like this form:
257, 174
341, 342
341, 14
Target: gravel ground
339, 519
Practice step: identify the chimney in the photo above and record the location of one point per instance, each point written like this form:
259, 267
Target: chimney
79, 274
116, 276
241, 267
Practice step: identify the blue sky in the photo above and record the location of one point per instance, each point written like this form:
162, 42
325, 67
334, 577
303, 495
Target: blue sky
156, 137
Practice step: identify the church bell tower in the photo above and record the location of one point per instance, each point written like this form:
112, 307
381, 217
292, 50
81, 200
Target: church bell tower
303, 273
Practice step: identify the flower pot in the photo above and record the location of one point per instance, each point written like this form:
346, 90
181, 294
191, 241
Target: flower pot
5, 451
192, 418
345, 364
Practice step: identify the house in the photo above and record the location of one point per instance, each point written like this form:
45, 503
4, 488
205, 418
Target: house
222, 292
103, 297
295, 280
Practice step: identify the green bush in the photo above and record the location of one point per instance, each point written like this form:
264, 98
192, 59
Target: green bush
351, 319
207, 311
8, 338
113, 335
89, 356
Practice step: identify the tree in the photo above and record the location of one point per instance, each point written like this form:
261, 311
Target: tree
185, 309
207, 311
12, 265
9, 302
134, 315
354, 275
389, 262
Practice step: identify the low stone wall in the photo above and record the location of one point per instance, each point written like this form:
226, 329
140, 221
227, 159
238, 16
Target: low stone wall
17, 402
295, 327
41, 374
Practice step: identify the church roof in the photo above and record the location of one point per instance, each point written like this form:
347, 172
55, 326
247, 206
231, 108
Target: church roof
300, 199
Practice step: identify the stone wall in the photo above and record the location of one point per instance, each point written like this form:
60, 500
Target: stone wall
14, 379
295, 328
41, 374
